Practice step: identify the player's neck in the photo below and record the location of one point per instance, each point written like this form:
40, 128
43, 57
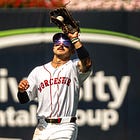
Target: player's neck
56, 62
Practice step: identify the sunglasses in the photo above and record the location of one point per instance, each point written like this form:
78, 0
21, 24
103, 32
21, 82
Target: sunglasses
66, 43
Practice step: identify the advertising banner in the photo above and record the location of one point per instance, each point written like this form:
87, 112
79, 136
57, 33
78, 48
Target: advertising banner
109, 99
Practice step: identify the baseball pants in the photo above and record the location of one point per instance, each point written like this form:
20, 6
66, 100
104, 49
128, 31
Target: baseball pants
61, 131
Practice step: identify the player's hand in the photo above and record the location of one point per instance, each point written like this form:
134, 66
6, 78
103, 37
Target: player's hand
74, 35
23, 86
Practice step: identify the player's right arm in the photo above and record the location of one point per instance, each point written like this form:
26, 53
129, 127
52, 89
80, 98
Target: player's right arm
22, 94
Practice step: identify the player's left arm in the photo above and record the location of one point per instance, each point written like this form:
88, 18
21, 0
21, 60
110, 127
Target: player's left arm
85, 62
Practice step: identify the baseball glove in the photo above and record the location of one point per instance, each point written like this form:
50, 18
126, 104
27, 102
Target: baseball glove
64, 20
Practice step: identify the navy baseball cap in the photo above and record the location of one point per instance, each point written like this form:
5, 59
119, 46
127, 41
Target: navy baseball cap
60, 38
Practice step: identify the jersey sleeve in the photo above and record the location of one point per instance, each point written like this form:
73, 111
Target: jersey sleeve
32, 90
81, 76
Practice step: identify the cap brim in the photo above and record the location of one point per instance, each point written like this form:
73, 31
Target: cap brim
57, 36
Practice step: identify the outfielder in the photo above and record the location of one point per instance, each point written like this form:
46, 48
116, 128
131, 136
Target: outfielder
56, 86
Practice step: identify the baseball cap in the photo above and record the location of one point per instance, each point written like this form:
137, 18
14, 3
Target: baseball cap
60, 38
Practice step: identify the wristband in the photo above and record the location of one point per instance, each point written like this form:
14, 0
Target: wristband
82, 53
74, 40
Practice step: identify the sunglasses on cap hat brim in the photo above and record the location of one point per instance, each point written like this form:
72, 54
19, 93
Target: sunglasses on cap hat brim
61, 38
62, 41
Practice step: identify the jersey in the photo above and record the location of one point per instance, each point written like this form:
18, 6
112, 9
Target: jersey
56, 89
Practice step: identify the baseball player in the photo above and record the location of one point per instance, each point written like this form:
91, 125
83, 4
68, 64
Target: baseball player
56, 86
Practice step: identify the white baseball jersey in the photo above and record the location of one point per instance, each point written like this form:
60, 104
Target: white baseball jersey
57, 89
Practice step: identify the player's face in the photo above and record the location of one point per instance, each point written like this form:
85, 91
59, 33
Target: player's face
62, 48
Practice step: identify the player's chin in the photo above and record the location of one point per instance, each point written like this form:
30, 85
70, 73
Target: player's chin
61, 52
63, 56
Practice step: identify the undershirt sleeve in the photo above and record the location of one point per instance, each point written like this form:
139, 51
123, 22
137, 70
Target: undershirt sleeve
23, 97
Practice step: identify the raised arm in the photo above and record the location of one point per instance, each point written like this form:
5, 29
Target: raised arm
85, 60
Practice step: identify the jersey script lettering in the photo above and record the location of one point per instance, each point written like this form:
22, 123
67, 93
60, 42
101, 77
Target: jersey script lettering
53, 81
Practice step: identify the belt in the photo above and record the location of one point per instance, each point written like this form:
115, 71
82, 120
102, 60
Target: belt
61, 120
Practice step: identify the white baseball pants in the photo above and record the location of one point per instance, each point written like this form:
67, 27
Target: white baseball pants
61, 131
